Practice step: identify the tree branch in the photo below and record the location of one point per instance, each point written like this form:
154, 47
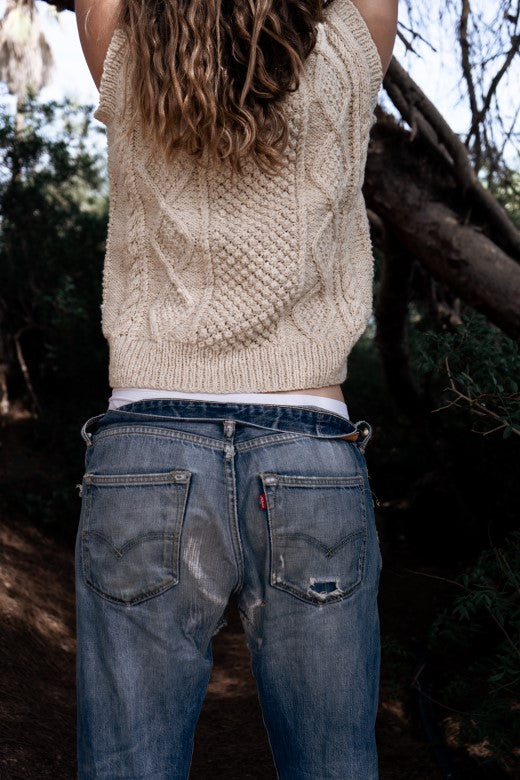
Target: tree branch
25, 372
420, 112
62, 5
391, 314
468, 73
402, 188
478, 117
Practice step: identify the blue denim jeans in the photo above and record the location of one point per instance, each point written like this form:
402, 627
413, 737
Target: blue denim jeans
185, 503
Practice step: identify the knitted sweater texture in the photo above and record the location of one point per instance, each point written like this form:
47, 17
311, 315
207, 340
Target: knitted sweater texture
220, 282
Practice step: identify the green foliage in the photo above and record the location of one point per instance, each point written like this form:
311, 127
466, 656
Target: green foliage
479, 366
506, 189
477, 637
52, 233
54, 211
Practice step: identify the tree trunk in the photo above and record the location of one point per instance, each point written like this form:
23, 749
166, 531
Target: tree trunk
420, 203
391, 312
424, 119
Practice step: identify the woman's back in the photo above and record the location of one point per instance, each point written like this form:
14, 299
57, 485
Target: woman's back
223, 275
228, 281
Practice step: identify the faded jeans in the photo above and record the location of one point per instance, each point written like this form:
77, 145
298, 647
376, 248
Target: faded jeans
185, 503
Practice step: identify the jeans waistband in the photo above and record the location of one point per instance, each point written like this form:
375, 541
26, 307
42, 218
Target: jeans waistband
273, 417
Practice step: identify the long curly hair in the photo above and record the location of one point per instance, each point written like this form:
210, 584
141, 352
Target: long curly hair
208, 76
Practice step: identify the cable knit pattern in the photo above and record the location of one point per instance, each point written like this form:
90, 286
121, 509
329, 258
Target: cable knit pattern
220, 282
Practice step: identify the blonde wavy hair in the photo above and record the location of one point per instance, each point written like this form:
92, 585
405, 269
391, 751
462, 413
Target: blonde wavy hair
209, 76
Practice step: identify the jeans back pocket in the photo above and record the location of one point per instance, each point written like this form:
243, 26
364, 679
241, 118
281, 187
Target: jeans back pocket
318, 534
130, 528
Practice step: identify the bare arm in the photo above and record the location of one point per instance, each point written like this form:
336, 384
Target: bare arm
96, 20
381, 19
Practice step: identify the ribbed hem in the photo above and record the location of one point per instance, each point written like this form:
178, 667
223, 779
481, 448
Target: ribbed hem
172, 366
109, 77
351, 15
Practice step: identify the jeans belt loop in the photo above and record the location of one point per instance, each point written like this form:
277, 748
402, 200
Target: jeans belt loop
88, 436
365, 429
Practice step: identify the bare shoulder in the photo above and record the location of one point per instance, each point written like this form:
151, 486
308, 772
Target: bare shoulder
96, 20
381, 19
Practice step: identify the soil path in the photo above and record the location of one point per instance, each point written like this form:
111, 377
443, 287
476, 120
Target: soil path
37, 686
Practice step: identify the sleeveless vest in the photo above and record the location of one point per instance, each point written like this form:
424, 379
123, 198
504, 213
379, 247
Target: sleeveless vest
219, 282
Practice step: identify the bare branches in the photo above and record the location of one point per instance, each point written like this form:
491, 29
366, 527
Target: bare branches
479, 116
488, 35
467, 71
477, 404
415, 34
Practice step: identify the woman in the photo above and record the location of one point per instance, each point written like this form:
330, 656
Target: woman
237, 278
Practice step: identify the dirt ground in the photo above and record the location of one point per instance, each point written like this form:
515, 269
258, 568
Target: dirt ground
37, 685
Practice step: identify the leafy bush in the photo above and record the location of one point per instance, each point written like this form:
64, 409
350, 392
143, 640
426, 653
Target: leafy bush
54, 211
477, 639
481, 366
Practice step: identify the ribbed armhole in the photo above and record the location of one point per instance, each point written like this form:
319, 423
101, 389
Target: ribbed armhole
108, 92
349, 14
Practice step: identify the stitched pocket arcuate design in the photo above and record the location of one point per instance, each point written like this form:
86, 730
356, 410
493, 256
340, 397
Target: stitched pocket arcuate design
131, 531
318, 534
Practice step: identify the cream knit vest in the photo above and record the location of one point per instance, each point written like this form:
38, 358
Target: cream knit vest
216, 282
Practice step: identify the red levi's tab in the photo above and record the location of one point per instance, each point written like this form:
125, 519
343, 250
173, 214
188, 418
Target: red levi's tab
262, 500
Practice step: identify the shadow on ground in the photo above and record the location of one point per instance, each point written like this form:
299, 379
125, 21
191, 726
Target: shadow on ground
37, 693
